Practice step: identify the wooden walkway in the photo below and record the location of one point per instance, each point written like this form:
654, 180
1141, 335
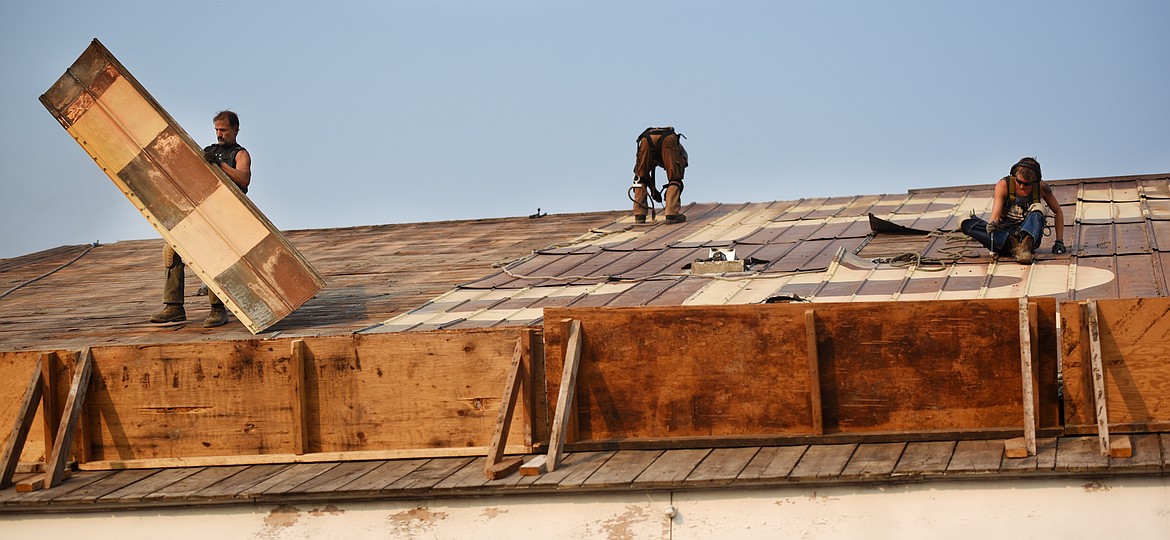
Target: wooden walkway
604, 471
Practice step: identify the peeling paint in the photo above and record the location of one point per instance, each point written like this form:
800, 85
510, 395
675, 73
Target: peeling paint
491, 512
621, 527
330, 509
415, 520
1094, 486
280, 518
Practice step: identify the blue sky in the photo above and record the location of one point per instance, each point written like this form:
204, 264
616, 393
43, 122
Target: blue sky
390, 112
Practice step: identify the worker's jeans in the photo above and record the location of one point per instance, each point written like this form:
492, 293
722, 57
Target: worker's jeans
174, 281
1033, 225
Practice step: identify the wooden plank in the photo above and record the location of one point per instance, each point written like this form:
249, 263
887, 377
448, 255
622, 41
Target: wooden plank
1099, 401
925, 458
722, 466
1016, 448
468, 477
110, 484
1028, 376
976, 457
671, 468
301, 475
535, 466
1145, 454
772, 463
383, 476
25, 413
338, 476
566, 395
1043, 460
504, 468
622, 468
45, 496
426, 476
296, 365
138, 490
822, 461
1164, 442
507, 407
187, 488
1080, 454
231, 486
55, 466
814, 374
577, 467
871, 460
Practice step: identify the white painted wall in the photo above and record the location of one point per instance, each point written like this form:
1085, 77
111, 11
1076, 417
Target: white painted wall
1137, 508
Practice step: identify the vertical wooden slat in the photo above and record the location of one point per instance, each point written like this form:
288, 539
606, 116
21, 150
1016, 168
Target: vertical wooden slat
55, 468
565, 396
50, 412
1098, 377
1026, 377
24, 419
814, 374
504, 419
297, 368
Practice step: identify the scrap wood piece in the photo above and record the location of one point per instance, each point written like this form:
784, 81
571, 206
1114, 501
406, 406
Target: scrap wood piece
535, 466
493, 468
1016, 448
55, 471
503, 468
25, 413
814, 374
1120, 447
566, 395
1098, 377
1027, 376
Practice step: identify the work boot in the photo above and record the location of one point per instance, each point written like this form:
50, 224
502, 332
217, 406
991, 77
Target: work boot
640, 219
217, 317
676, 218
1022, 250
170, 313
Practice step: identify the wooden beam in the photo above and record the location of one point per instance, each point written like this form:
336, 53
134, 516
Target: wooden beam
504, 468
535, 466
814, 374
50, 411
1027, 377
25, 413
566, 395
504, 419
1098, 377
55, 467
268, 459
300, 427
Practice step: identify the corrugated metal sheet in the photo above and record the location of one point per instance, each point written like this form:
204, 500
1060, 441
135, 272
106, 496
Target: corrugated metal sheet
219, 233
804, 248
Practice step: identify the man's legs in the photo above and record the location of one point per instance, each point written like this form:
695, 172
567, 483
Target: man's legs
673, 162
977, 228
172, 288
640, 206
1033, 226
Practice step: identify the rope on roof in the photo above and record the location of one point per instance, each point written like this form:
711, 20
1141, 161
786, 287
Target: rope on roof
50, 272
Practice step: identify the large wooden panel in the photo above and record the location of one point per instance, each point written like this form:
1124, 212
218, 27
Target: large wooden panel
725, 371
1135, 346
224, 238
235, 401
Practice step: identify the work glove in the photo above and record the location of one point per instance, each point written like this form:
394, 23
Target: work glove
992, 226
210, 156
1058, 248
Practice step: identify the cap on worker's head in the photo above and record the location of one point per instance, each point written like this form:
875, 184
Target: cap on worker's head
1028, 163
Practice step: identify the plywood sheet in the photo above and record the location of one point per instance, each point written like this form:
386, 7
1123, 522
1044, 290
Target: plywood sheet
223, 237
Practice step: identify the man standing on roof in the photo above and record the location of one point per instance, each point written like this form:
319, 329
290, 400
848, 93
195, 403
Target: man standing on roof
659, 147
1017, 217
236, 162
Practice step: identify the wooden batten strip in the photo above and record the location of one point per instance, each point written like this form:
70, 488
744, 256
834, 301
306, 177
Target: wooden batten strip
300, 428
24, 419
1098, 377
566, 395
1027, 375
504, 420
50, 412
55, 468
268, 459
814, 374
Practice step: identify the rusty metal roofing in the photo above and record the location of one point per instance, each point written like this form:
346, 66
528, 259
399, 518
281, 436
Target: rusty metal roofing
825, 250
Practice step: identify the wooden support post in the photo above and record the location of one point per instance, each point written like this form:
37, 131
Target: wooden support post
55, 468
565, 397
814, 374
50, 411
297, 368
1098, 377
24, 419
1027, 377
504, 419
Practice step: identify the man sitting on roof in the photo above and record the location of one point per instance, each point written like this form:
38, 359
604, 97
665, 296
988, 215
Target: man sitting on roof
1017, 217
